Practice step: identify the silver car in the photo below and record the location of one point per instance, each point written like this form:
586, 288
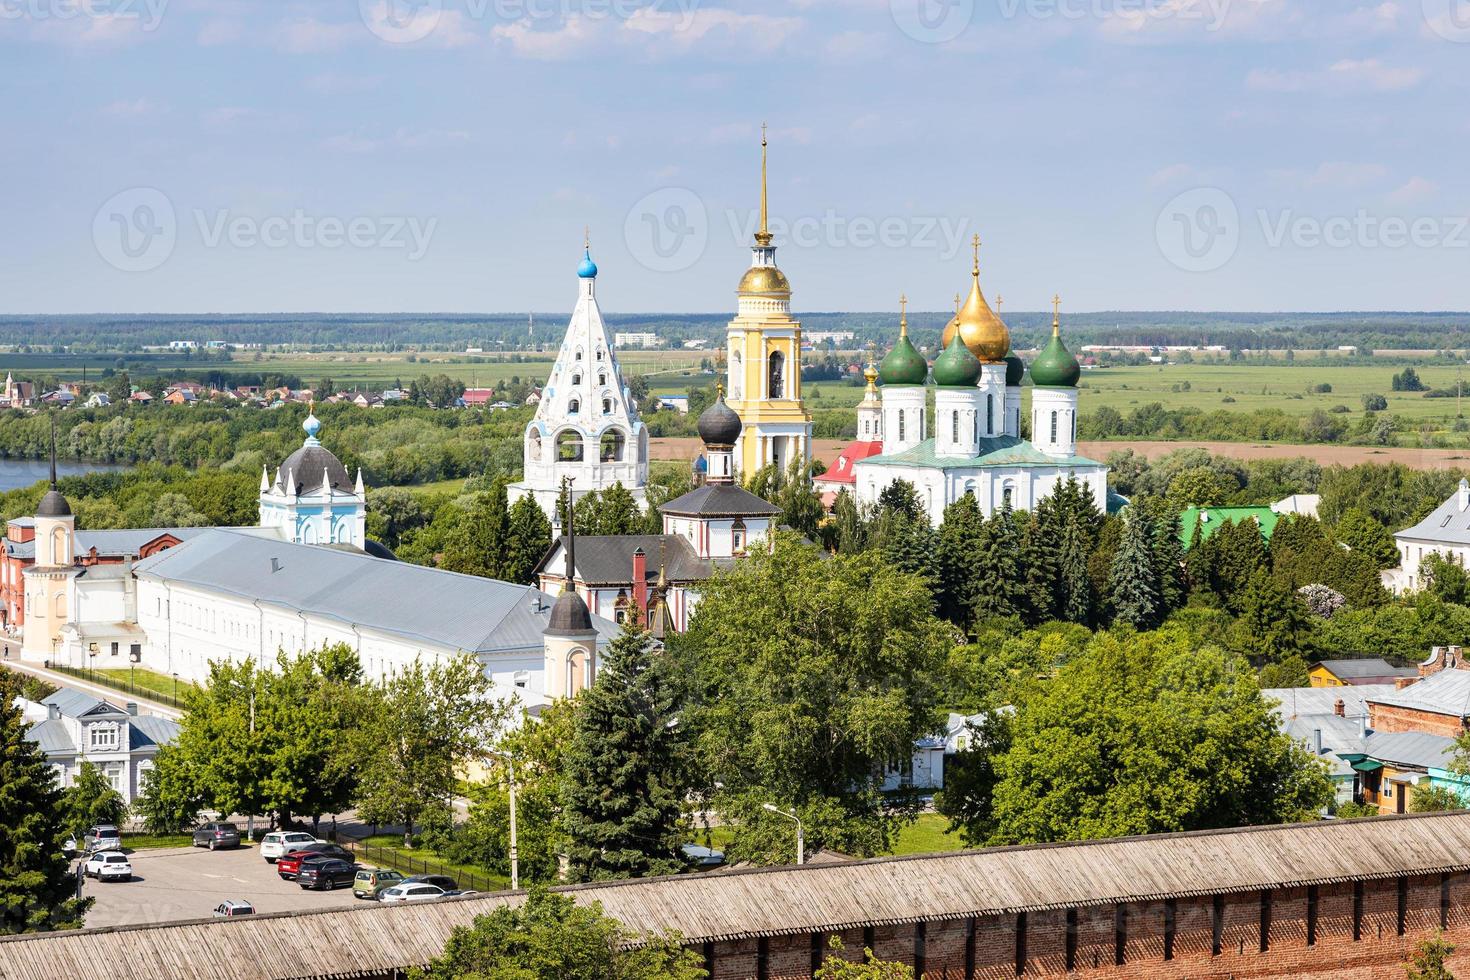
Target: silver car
411, 891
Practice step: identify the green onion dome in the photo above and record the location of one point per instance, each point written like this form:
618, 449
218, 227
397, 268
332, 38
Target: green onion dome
1055, 367
1015, 370
956, 367
904, 365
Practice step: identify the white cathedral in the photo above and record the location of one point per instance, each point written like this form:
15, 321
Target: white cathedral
586, 426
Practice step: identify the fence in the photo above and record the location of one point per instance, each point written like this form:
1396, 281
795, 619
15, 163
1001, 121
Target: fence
392, 857
118, 684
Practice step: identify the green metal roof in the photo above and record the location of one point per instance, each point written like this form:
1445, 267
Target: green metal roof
999, 451
1215, 518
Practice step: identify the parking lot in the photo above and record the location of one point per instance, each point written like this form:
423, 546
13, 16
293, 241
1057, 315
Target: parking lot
187, 883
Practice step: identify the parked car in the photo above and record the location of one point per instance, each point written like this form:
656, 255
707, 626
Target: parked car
290, 865
217, 835
232, 907
439, 881
326, 874
278, 844
69, 846
369, 881
103, 837
410, 891
108, 866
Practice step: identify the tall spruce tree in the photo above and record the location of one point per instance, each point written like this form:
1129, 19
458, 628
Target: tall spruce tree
999, 588
850, 532
1075, 602
1041, 557
528, 540
1132, 581
960, 539
909, 544
37, 890
1168, 552
477, 544
625, 769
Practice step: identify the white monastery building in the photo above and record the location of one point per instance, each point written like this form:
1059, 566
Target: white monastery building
1446, 531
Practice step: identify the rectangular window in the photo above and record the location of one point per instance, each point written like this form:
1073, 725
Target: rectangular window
900, 427
1357, 911
1312, 900
990, 414
1171, 912
1053, 426
1265, 921
1217, 926
1444, 901
102, 737
921, 937
1020, 943
955, 428
1403, 909
1120, 935
1071, 947
762, 958
816, 954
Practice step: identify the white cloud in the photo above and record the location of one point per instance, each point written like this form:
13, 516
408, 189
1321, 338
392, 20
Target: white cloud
1416, 190
88, 30
574, 36
309, 36
1342, 78
650, 33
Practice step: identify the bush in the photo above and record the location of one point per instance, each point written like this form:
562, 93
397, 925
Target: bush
1374, 403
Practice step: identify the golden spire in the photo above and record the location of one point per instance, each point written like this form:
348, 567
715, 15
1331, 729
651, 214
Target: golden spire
763, 237
1056, 315
976, 243
903, 315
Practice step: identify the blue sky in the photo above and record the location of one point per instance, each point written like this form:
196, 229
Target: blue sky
414, 155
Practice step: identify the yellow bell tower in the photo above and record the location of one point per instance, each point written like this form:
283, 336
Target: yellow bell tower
763, 354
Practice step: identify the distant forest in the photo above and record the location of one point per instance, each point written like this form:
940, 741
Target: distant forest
1297, 331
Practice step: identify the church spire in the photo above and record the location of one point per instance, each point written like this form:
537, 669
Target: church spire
763, 237
53, 450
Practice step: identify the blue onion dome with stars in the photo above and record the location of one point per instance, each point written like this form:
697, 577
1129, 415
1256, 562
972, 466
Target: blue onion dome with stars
588, 268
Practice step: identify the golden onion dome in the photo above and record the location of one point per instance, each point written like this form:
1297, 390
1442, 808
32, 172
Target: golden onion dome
977, 324
764, 280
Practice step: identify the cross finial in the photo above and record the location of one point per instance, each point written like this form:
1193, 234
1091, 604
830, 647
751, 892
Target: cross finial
903, 315
975, 242
999, 302
1056, 314
956, 304
587, 236
763, 134
720, 389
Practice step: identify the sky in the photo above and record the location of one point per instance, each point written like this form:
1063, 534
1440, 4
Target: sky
199, 156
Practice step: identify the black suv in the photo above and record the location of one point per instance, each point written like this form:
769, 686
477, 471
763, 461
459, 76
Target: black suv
216, 835
325, 874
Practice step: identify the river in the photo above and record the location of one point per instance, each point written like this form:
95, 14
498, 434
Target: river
17, 473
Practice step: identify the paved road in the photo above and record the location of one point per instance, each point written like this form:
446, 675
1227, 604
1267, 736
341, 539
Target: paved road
187, 883
119, 698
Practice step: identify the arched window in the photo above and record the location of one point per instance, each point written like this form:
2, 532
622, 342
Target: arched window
607, 406
776, 382
579, 671
613, 446
737, 536
577, 379
599, 355
602, 378
59, 552
579, 356
737, 375
533, 444
989, 414
574, 406
1053, 426
61, 606
1006, 496
569, 446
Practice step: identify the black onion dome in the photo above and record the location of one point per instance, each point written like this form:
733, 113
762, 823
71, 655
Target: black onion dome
309, 464
570, 615
53, 505
719, 425
1015, 370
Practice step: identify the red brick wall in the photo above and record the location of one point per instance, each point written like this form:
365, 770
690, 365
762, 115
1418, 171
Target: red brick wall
1379, 952
1391, 718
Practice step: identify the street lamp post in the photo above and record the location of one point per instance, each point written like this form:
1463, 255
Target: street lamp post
515, 858
800, 834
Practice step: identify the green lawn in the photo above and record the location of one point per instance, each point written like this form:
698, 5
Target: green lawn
146, 681
145, 842
926, 835
393, 845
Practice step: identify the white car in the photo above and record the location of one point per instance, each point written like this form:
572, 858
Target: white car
282, 842
103, 837
108, 866
411, 891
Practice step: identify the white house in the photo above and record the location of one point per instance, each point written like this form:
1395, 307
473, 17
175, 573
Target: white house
72, 728
1445, 531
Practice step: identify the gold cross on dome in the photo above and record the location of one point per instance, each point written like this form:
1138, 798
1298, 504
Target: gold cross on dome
1056, 305
763, 134
999, 301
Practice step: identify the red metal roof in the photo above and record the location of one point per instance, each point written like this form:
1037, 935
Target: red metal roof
842, 469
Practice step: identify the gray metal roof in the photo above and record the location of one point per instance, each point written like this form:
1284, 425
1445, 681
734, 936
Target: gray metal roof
1444, 693
151, 730
128, 541
73, 703
1419, 749
608, 559
462, 612
720, 500
1448, 523
1366, 667
1301, 701
52, 737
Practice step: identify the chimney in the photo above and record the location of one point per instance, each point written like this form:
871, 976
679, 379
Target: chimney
640, 582
1400, 683
132, 709
1339, 708
275, 565
1317, 741
53, 712
1462, 496
1452, 658
1434, 664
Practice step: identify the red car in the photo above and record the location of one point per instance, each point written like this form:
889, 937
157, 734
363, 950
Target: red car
289, 865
